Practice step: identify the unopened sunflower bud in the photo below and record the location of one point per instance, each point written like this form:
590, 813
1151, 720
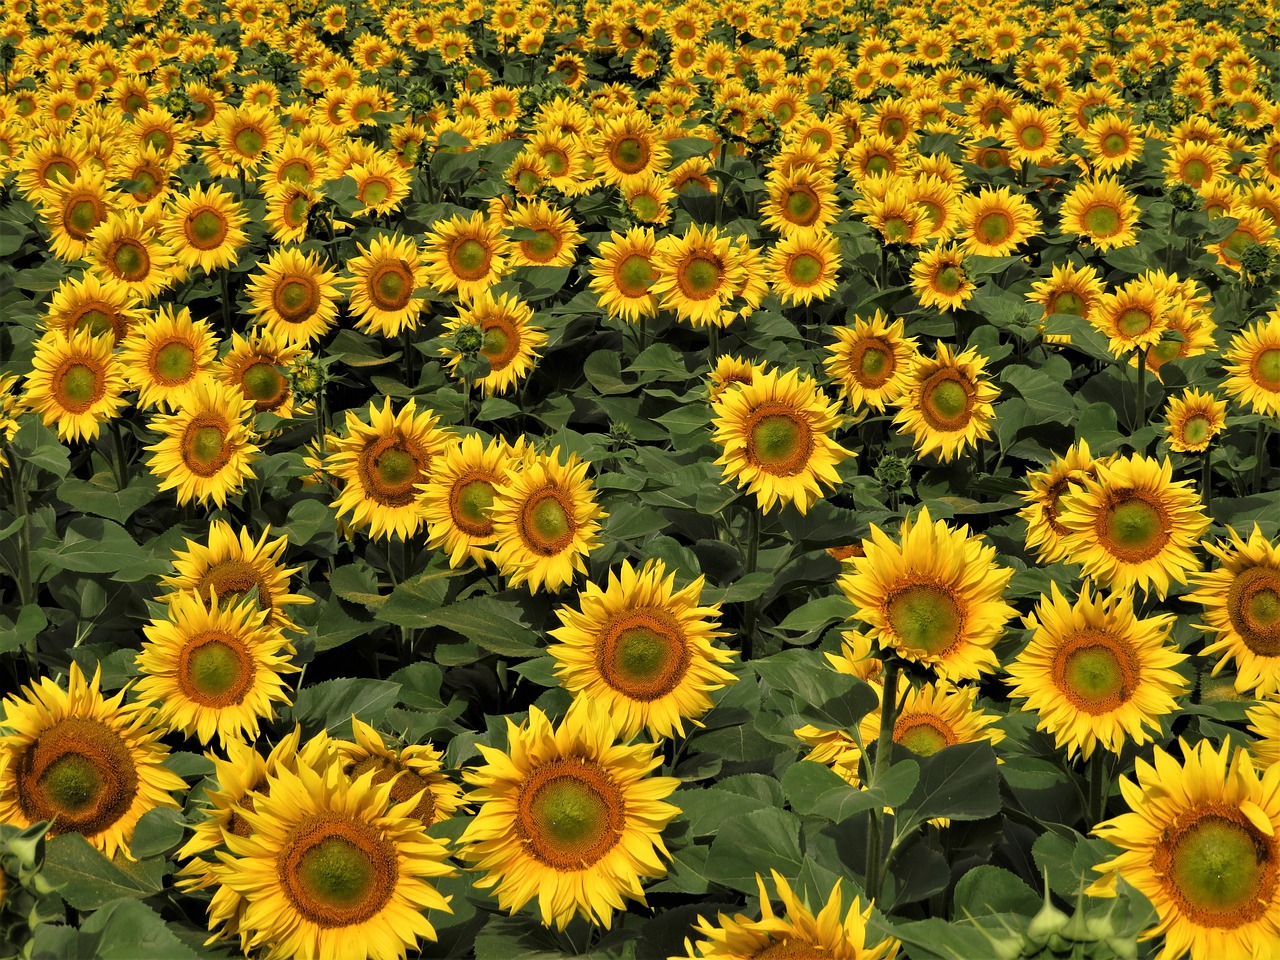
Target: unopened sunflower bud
468, 340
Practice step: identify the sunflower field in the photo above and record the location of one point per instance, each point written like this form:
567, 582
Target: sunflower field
520, 479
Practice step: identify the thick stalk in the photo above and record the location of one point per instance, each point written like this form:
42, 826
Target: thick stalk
751, 609
888, 717
1140, 401
226, 302
120, 460
18, 492
1097, 787
1206, 478
1259, 451
713, 345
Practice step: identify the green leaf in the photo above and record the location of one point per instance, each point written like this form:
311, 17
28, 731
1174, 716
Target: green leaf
752, 844
603, 371
38, 446
159, 831
497, 625
31, 621
830, 699
959, 782
420, 685
814, 790
744, 589
936, 939
99, 496
816, 615
331, 705
705, 808
414, 602
129, 930
987, 889
357, 583
94, 545
86, 879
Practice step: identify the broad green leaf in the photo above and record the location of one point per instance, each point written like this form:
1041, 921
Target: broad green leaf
420, 685
331, 705
95, 545
86, 879
495, 624
417, 600
813, 789
158, 833
958, 782
988, 889
706, 809
755, 843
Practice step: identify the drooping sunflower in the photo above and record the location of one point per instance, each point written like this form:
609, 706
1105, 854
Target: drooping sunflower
802, 267
456, 499
382, 463
1253, 370
166, 356
383, 281
546, 521
804, 198
75, 384
934, 596
510, 341
125, 250
871, 361
294, 296
698, 275
332, 867
1132, 525
775, 436
213, 669
90, 764
1193, 420
88, 303
467, 255
1094, 674
254, 366
996, 221
946, 402
643, 650
730, 370
1102, 210
415, 772
797, 933
231, 565
568, 816
1241, 601
622, 277
939, 280
1202, 843
1043, 509
205, 228
206, 448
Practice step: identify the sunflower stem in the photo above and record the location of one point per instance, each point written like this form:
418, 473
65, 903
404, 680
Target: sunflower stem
226, 302
18, 492
1206, 478
466, 401
751, 609
720, 165
713, 345
1259, 451
1097, 787
881, 763
119, 460
1140, 400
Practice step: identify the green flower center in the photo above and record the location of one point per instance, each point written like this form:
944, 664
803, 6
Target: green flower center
215, 670
82, 216
922, 735
1032, 138
374, 192
1133, 529
645, 206
1221, 871
296, 299
264, 385
395, 467
804, 269
78, 771
994, 228
97, 322
542, 247
642, 653
249, 143
1069, 302
1134, 322
780, 442
948, 402
630, 155
131, 261
700, 278
1253, 606
392, 287
949, 280
206, 230
569, 814
206, 449
1114, 145
389, 467
174, 363
1095, 672
877, 165
72, 783
634, 276
802, 206
924, 619
1196, 430
1101, 221
1194, 172
527, 182
547, 525
1266, 369
470, 502
79, 387
471, 259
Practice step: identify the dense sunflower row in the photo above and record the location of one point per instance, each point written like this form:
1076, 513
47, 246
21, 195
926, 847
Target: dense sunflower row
653, 353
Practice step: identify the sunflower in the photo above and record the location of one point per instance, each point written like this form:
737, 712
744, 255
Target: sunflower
775, 437
627, 148
1202, 843
1132, 525
698, 274
939, 279
456, 500
624, 273
380, 465
166, 356
207, 447
467, 255
568, 816
1134, 317
1264, 723
1043, 509
231, 566
1252, 227
1032, 134
253, 366
1094, 674
1112, 142
1103, 211
1254, 366
871, 361
332, 867
383, 281
1196, 163
294, 296
288, 210
204, 228
802, 199
555, 237
72, 210
946, 402
1241, 601
416, 772
643, 650
802, 267
995, 222
649, 199
730, 370
1189, 333
546, 521
246, 136
510, 341
799, 933
934, 716
938, 200
91, 765
124, 250
1069, 289
382, 185
1193, 420
75, 383
213, 669
934, 596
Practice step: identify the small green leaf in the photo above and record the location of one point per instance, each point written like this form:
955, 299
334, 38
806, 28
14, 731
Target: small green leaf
159, 831
86, 879
987, 889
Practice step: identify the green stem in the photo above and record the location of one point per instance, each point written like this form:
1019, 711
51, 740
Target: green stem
1259, 451
1097, 787
18, 491
120, 461
642, 335
721, 187
888, 717
713, 345
1140, 401
1206, 478
226, 302
751, 610
466, 401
